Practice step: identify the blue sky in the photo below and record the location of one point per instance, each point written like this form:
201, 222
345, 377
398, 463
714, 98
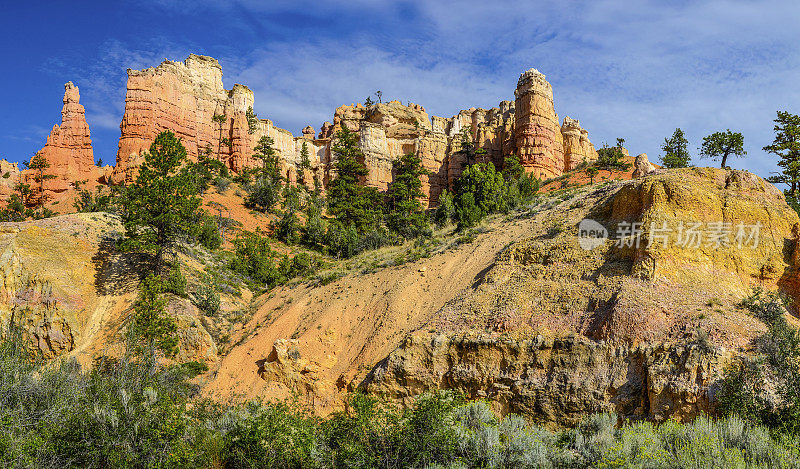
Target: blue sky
632, 69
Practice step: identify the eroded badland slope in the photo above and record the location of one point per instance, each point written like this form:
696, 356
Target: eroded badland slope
520, 315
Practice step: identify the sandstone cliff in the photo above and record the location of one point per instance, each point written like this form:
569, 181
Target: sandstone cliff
184, 97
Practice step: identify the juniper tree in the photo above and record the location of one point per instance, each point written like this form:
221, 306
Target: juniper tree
722, 145
162, 204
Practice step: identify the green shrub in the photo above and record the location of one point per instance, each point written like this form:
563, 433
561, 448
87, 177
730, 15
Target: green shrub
315, 229
206, 297
263, 194
254, 258
446, 210
175, 282
341, 241
766, 389
209, 236
100, 201
137, 413
267, 436
468, 212
222, 183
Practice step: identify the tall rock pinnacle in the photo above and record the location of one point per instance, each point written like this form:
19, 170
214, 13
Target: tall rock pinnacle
69, 146
538, 133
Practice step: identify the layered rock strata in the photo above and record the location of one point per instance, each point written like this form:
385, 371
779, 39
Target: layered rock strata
189, 99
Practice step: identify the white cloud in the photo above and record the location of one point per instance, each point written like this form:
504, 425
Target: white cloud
630, 69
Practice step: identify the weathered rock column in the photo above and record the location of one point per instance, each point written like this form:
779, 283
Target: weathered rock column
537, 131
69, 146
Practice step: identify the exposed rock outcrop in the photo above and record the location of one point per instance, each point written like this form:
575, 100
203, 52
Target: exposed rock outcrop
639, 325
538, 136
69, 292
184, 97
9, 175
557, 381
577, 147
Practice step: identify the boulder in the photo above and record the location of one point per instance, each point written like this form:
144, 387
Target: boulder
642, 166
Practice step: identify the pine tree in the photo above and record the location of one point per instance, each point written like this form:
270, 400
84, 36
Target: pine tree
265, 151
406, 215
220, 119
252, 120
265, 193
25, 192
676, 153
305, 163
288, 227
39, 164
722, 145
348, 200
162, 204
151, 327
787, 147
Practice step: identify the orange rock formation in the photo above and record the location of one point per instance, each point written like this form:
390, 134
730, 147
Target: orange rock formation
69, 146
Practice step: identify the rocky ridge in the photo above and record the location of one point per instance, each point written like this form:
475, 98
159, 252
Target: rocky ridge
189, 99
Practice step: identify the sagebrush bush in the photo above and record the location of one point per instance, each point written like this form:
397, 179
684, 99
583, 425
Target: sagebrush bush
766, 388
134, 411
